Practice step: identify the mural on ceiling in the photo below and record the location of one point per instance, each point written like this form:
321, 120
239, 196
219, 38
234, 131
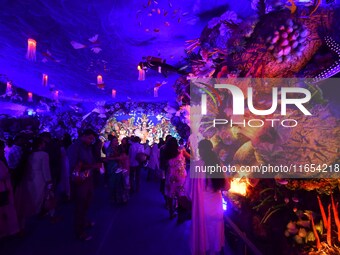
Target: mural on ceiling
62, 43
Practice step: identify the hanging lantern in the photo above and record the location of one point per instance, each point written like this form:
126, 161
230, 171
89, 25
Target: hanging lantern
100, 83
155, 91
30, 97
159, 69
56, 95
99, 79
31, 49
9, 88
44, 79
141, 74
114, 92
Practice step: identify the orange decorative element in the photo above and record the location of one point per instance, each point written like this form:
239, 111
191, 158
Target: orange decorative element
317, 238
31, 49
323, 213
238, 186
329, 227
336, 215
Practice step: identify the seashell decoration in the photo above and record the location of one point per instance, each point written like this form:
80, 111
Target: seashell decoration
287, 41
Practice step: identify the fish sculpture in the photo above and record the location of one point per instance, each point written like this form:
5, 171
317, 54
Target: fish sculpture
93, 45
160, 65
315, 5
47, 56
292, 7
159, 84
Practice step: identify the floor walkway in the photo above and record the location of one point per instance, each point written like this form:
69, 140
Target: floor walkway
140, 227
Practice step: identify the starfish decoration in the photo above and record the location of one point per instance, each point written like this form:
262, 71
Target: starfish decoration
335, 68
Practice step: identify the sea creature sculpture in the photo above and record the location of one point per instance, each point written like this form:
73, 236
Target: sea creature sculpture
160, 65
316, 6
335, 68
48, 57
94, 44
292, 7
287, 40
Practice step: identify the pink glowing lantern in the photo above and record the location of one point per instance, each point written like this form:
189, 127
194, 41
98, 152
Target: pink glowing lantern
141, 75
30, 97
100, 83
99, 79
114, 93
9, 88
31, 49
155, 91
9, 85
56, 95
44, 79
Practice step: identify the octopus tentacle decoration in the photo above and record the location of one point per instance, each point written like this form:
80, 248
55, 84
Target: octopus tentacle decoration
335, 68
317, 3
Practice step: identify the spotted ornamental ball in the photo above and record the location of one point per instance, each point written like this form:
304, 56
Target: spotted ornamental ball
287, 41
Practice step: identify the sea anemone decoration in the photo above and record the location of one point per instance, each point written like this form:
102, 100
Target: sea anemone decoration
287, 41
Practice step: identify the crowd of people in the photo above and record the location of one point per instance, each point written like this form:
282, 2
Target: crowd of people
37, 174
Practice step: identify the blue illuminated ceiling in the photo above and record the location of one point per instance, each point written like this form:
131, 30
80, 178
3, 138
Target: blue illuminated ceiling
127, 31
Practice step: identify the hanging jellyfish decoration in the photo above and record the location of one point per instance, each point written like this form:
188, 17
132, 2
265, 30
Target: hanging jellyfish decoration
44, 79
141, 71
30, 97
31, 49
114, 93
155, 91
100, 83
9, 91
56, 95
157, 86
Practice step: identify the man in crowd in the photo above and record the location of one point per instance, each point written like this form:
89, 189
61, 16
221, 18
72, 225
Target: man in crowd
15, 158
163, 165
82, 164
136, 152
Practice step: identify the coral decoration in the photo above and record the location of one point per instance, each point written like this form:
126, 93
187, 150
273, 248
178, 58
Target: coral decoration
287, 41
316, 235
323, 213
329, 227
336, 215
31, 49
